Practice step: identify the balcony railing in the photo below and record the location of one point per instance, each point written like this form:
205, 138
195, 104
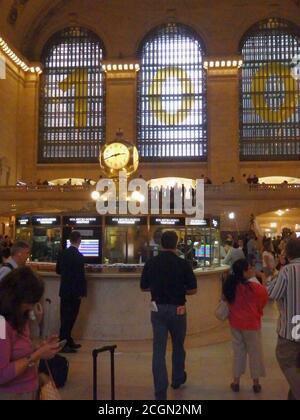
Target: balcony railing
226, 187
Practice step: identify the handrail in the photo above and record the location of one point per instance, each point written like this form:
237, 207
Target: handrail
208, 187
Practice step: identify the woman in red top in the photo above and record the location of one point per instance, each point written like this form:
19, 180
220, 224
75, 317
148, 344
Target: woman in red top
246, 298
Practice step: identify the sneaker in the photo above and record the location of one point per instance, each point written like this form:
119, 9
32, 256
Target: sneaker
235, 387
177, 385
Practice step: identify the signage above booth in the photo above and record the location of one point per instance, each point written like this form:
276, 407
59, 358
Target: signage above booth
126, 221
209, 222
45, 221
82, 221
180, 221
23, 221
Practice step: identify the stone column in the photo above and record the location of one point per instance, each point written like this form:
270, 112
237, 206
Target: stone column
121, 101
223, 123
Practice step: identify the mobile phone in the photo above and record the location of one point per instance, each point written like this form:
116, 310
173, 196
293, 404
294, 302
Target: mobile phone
62, 343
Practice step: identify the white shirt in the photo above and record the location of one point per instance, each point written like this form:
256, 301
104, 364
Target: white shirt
268, 260
6, 270
285, 290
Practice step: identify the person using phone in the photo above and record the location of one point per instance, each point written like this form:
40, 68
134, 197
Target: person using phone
20, 290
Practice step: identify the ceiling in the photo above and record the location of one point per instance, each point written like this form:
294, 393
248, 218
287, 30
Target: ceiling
28, 24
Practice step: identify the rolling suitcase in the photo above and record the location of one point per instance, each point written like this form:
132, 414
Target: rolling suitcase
95, 354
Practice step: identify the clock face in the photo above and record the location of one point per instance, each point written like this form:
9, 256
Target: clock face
116, 155
135, 159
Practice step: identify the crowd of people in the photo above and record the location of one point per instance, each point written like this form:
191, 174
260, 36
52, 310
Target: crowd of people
258, 273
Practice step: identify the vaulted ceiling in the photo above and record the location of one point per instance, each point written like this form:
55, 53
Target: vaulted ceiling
22, 20
27, 24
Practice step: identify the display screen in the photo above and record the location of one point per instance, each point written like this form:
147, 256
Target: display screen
88, 247
201, 251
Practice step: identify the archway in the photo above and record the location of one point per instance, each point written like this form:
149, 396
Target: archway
272, 223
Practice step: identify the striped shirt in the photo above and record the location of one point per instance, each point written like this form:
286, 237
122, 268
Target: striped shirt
285, 289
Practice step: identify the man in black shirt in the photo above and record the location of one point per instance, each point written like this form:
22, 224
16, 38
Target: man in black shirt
169, 279
70, 265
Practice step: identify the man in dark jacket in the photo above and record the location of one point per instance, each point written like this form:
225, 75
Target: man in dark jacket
73, 287
170, 279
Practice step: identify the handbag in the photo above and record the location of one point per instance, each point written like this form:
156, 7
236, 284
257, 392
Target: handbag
59, 367
222, 310
49, 391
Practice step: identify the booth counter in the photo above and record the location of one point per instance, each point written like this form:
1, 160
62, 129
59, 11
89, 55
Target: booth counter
116, 308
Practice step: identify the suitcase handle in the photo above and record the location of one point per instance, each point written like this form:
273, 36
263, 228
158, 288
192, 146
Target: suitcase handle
95, 353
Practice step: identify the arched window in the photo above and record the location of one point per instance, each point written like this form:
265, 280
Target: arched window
72, 97
270, 92
171, 114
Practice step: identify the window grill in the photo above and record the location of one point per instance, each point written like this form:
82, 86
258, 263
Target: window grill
270, 92
72, 116
171, 106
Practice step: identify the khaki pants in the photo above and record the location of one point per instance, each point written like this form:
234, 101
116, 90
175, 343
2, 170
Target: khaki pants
27, 396
243, 343
288, 354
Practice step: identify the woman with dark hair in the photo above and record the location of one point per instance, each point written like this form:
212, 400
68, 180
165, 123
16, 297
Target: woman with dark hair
19, 292
246, 298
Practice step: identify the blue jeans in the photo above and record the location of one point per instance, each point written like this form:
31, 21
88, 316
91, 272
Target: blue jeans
164, 321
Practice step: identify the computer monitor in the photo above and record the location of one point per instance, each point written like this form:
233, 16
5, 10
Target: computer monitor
201, 250
88, 247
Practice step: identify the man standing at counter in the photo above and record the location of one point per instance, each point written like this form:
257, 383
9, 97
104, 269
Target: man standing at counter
73, 286
169, 279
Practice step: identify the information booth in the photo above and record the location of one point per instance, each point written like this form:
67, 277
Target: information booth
24, 229
46, 237
158, 225
203, 241
91, 236
125, 240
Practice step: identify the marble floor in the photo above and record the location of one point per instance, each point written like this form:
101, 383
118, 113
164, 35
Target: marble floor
208, 367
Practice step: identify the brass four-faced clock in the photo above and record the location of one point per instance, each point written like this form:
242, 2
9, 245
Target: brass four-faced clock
119, 155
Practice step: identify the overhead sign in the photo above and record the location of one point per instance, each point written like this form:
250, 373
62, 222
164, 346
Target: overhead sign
81, 221
45, 221
126, 221
213, 222
180, 221
23, 221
